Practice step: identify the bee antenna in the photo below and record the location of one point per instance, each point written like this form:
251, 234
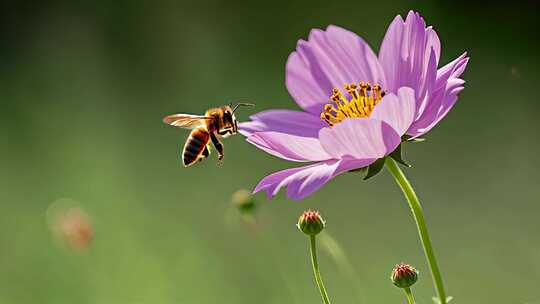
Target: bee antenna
243, 104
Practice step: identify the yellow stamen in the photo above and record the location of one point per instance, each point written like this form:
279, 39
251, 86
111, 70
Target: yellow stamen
363, 99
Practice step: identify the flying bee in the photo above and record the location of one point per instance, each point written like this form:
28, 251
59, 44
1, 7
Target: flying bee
216, 123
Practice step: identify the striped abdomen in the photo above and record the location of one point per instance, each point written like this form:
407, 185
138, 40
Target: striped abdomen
195, 147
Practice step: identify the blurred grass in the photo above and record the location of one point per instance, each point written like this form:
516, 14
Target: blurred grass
83, 88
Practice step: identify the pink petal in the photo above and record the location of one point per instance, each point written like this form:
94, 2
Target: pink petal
453, 69
329, 59
406, 51
284, 121
304, 181
442, 98
289, 147
360, 138
447, 103
398, 111
428, 84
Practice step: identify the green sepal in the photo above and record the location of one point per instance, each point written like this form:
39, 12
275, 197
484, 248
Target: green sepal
374, 168
408, 138
416, 140
396, 155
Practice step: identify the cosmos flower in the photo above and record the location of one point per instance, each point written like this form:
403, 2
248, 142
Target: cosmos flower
357, 107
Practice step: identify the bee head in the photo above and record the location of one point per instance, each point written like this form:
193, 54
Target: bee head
229, 118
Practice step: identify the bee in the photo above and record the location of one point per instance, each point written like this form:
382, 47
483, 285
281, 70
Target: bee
216, 123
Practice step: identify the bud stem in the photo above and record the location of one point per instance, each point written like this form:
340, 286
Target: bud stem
418, 215
316, 272
408, 292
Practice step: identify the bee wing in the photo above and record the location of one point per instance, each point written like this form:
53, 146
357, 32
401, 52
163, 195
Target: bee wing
186, 121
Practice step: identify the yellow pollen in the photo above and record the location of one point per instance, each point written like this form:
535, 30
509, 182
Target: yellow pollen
360, 103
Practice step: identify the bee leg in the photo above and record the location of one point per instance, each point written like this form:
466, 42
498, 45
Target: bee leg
206, 152
217, 144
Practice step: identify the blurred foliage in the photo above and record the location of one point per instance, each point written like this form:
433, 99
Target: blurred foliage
83, 88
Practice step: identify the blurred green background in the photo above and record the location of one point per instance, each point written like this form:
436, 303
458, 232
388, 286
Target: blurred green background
83, 88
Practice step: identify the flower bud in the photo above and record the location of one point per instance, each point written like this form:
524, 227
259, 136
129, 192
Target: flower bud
404, 275
311, 222
243, 201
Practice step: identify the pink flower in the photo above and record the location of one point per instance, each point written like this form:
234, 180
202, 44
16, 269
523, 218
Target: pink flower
357, 107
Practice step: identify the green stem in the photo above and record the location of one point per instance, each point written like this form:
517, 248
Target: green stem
410, 298
418, 214
316, 271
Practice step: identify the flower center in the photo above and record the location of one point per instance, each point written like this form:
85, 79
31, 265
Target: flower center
362, 101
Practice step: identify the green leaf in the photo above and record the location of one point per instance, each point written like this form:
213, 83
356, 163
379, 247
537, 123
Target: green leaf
374, 168
396, 155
